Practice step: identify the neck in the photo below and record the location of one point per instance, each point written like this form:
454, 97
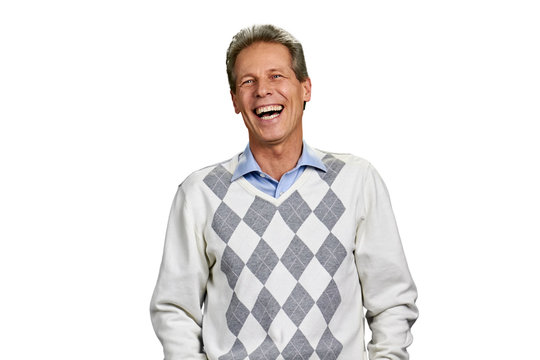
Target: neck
276, 160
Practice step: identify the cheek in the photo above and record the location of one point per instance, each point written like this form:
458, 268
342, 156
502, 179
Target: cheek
293, 93
242, 102
285, 92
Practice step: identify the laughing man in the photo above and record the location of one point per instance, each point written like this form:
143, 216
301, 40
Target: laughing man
275, 253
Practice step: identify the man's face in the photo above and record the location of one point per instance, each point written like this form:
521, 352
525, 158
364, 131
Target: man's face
268, 94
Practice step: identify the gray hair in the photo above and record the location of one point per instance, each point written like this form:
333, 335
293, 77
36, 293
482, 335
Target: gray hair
265, 33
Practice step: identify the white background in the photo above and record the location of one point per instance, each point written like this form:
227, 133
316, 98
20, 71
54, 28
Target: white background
106, 106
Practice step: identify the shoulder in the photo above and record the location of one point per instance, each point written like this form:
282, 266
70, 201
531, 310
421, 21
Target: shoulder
210, 176
335, 160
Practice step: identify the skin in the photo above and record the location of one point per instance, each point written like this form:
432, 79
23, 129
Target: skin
265, 77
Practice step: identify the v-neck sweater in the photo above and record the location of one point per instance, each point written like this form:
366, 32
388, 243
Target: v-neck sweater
246, 275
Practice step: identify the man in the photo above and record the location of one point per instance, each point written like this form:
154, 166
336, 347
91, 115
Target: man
284, 245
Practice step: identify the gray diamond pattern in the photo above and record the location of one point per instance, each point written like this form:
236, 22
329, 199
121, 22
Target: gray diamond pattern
267, 351
265, 309
262, 261
329, 301
333, 167
331, 254
218, 180
329, 347
225, 222
238, 352
236, 315
297, 257
259, 215
232, 266
298, 304
330, 209
294, 211
298, 348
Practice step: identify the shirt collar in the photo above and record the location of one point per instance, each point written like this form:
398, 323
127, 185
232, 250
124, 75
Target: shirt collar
247, 162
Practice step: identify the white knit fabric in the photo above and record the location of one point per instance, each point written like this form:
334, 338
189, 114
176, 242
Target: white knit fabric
284, 278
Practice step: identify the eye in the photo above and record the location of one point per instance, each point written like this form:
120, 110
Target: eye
276, 76
248, 82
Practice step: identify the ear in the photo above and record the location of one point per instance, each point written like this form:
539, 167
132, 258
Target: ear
306, 85
233, 98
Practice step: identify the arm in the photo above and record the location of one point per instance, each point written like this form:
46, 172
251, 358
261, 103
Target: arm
388, 289
176, 304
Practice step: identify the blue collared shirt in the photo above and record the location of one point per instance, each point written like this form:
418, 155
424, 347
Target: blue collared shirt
251, 171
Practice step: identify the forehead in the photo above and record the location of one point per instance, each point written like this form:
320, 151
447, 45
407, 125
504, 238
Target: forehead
263, 56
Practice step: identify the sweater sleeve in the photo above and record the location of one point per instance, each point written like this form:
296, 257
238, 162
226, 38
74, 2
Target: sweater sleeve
176, 304
389, 292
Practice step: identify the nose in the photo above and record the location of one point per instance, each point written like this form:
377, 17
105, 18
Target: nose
263, 89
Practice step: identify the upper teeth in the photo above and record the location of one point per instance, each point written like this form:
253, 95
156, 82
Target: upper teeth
268, 108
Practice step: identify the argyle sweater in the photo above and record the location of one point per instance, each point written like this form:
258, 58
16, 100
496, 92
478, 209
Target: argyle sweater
248, 276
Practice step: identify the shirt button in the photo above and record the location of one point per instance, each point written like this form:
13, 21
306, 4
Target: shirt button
262, 175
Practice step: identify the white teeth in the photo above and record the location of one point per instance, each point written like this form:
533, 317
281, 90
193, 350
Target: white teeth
268, 108
270, 117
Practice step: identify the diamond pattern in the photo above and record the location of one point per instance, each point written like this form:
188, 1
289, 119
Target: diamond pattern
218, 180
236, 315
263, 255
329, 301
232, 266
225, 222
238, 352
265, 309
259, 215
294, 211
330, 209
331, 254
297, 257
281, 283
329, 347
262, 261
333, 167
267, 351
298, 304
298, 348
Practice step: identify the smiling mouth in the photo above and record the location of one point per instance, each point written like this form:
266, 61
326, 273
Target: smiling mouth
268, 112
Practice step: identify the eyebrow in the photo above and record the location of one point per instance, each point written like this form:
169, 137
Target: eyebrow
267, 71
275, 69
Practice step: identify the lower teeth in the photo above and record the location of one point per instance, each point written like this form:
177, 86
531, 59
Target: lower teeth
268, 117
